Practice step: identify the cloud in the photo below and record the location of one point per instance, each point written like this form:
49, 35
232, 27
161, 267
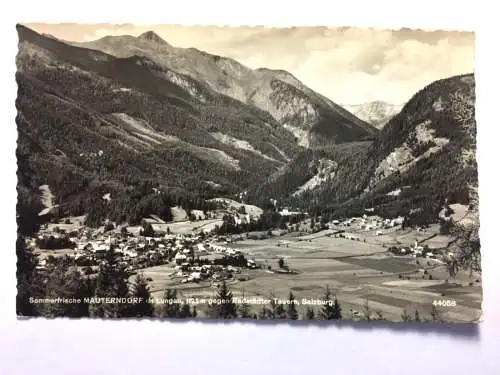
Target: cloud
348, 65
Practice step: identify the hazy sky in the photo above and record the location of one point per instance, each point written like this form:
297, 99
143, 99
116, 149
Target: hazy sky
348, 65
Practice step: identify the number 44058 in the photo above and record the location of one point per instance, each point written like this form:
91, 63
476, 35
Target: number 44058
444, 303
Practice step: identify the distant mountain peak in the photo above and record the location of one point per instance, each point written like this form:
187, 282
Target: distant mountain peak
376, 113
152, 37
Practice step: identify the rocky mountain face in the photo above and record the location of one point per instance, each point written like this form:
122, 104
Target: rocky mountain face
90, 123
310, 117
375, 113
423, 157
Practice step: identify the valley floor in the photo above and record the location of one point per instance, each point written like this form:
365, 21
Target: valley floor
360, 274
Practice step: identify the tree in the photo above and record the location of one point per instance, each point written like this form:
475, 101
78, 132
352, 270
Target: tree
124, 231
263, 313
313, 223
112, 280
194, 314
367, 311
436, 315
226, 309
406, 316
337, 310
452, 266
66, 282
27, 208
309, 314
332, 309
273, 311
280, 311
417, 316
170, 308
282, 224
291, 310
148, 231
109, 226
281, 263
140, 290
28, 279
185, 311
244, 309
445, 226
469, 249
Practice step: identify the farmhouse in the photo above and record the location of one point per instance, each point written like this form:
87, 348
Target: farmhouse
180, 258
287, 212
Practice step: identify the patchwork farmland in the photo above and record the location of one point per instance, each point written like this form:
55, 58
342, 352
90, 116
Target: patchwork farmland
361, 274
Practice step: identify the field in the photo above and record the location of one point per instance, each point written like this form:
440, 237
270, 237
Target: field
355, 271
183, 227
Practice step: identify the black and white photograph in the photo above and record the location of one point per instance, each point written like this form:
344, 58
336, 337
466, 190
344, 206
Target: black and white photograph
248, 173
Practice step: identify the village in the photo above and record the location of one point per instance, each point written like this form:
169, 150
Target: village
381, 227
365, 257
195, 256
195, 252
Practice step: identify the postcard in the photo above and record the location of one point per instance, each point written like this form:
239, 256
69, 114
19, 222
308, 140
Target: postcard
258, 173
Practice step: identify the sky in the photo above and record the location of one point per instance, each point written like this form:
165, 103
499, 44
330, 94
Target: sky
347, 65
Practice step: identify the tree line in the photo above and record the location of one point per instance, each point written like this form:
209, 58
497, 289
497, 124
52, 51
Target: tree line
62, 279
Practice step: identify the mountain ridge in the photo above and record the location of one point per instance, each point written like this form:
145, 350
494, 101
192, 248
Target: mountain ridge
423, 157
87, 118
309, 116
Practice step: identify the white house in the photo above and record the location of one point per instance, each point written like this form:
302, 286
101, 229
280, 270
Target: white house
129, 252
179, 258
195, 276
399, 220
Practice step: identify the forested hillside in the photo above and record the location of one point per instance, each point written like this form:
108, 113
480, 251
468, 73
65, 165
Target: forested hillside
313, 119
423, 157
91, 124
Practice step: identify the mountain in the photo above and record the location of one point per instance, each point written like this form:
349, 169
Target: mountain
90, 123
377, 113
422, 158
94, 124
313, 119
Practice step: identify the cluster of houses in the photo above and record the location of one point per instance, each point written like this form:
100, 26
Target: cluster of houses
415, 250
137, 251
192, 269
368, 223
287, 212
364, 223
